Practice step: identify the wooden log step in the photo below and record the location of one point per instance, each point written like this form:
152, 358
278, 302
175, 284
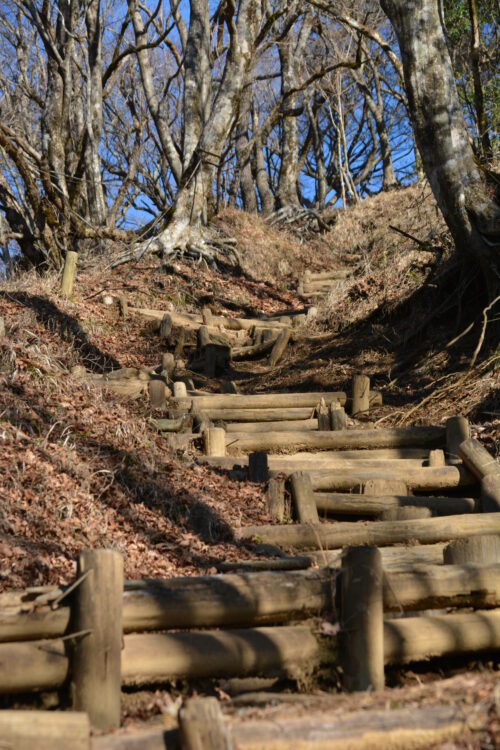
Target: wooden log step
393, 558
351, 504
280, 426
259, 415
257, 400
419, 479
377, 533
397, 729
421, 638
369, 454
44, 730
334, 273
396, 437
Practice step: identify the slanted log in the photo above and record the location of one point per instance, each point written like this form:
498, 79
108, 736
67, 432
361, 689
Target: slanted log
396, 437
362, 619
279, 347
44, 730
457, 430
377, 533
421, 638
477, 459
351, 504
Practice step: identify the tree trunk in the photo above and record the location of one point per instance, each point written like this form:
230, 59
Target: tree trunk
246, 183
459, 186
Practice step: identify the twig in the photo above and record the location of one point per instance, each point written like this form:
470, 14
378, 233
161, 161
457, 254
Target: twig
483, 332
421, 243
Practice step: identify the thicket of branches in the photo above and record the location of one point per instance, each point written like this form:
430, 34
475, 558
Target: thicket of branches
135, 122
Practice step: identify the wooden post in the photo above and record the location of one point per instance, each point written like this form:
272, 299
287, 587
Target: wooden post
490, 494
96, 652
207, 317
69, 274
180, 343
477, 459
166, 326
157, 393
123, 307
201, 726
457, 430
167, 363
215, 441
436, 457
303, 497
258, 470
483, 549
180, 391
203, 337
276, 499
338, 419
323, 414
360, 394
362, 619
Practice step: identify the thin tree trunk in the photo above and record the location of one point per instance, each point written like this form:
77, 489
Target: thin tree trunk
246, 182
95, 191
259, 168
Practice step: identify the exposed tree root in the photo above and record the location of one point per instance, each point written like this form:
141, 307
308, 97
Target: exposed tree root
303, 221
183, 241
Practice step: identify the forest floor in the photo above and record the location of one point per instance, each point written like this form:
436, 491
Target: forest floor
81, 467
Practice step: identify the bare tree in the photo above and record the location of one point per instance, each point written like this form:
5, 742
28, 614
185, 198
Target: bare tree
462, 189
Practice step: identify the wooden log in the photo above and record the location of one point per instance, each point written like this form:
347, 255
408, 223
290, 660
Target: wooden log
362, 619
96, 654
215, 441
276, 499
421, 638
2, 327
174, 425
279, 426
477, 459
407, 513
420, 479
457, 430
259, 415
337, 273
397, 729
157, 393
32, 666
338, 418
193, 321
351, 504
69, 273
380, 457
377, 533
258, 470
255, 351
436, 457
376, 487
201, 726
157, 658
479, 549
44, 730
394, 728
393, 558
203, 337
279, 347
396, 437
264, 400
303, 498
490, 494
180, 390
360, 394
286, 562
